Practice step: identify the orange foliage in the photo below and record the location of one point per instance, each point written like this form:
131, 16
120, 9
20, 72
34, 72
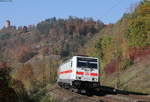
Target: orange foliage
21, 52
3, 65
26, 71
112, 66
138, 53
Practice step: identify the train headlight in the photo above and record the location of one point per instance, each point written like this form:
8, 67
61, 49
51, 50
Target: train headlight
94, 79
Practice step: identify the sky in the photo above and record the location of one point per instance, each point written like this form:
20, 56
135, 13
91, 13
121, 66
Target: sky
26, 12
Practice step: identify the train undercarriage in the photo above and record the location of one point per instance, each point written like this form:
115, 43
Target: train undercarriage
83, 87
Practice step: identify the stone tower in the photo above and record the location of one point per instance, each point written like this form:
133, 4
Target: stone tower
7, 24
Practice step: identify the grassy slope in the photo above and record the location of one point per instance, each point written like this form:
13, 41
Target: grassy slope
135, 78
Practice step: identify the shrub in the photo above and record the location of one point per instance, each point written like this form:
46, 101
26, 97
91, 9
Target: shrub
127, 63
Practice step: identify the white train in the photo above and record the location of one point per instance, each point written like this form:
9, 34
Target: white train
79, 72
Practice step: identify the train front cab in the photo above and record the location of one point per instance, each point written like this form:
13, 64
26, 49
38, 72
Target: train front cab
87, 73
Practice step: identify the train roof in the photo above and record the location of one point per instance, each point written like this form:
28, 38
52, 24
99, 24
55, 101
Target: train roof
83, 56
86, 57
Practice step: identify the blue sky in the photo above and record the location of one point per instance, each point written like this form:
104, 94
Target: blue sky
25, 12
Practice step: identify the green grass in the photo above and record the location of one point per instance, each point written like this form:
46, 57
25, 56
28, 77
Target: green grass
42, 96
133, 79
49, 99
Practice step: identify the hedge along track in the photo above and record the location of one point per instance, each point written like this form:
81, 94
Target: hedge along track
68, 96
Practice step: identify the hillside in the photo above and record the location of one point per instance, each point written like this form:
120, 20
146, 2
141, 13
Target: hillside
134, 79
33, 53
53, 37
121, 47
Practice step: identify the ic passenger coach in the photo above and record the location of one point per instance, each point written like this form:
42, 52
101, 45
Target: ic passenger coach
79, 72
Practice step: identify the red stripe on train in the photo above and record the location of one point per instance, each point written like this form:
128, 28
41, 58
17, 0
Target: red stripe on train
94, 74
80, 73
67, 71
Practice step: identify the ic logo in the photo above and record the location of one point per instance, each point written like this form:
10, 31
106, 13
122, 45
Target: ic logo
87, 73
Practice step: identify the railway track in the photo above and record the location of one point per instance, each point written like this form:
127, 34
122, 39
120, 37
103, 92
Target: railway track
141, 97
107, 99
129, 98
68, 96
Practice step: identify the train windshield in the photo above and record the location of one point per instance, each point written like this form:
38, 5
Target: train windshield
87, 63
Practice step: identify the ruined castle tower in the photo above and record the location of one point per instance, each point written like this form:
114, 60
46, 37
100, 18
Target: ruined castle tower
7, 24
